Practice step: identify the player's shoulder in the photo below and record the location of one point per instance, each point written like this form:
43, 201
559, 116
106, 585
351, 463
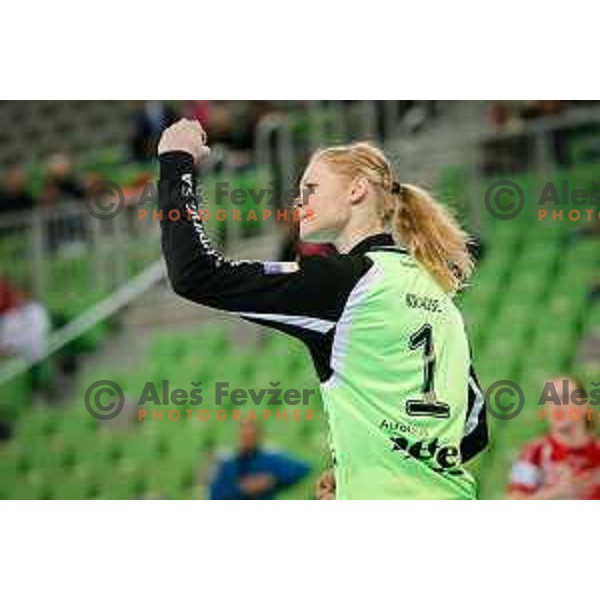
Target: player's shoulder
343, 262
339, 271
396, 255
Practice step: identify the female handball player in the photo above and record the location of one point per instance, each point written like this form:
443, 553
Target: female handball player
389, 346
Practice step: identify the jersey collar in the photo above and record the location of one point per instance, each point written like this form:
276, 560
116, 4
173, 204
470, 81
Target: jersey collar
379, 241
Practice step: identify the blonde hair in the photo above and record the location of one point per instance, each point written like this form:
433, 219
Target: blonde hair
418, 222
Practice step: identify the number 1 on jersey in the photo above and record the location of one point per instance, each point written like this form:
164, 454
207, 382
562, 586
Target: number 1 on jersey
428, 406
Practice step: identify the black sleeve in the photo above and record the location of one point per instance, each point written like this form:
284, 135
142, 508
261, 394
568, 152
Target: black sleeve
475, 438
304, 299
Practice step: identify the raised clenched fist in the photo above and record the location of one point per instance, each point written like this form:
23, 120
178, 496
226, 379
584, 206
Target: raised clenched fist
326, 486
186, 135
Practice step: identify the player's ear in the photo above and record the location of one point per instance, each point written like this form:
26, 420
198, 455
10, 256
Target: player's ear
358, 189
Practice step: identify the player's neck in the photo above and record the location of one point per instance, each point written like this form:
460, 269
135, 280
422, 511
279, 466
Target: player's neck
347, 240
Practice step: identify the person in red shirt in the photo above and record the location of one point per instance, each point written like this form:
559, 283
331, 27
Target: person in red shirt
565, 463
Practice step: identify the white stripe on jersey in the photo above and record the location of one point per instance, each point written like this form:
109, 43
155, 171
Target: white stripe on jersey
312, 323
473, 418
340, 341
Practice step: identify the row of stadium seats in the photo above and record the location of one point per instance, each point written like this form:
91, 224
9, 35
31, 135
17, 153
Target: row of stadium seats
69, 455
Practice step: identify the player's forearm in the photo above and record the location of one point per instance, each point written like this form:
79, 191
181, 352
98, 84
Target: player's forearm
188, 263
197, 270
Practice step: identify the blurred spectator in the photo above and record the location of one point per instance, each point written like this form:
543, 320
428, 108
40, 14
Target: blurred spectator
229, 126
512, 151
149, 119
558, 138
232, 124
534, 109
564, 464
14, 195
10, 299
508, 150
253, 472
24, 327
502, 118
61, 182
221, 125
249, 119
199, 110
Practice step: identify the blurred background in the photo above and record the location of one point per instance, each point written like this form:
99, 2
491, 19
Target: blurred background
84, 299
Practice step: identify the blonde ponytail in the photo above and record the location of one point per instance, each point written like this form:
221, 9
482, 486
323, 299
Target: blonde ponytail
432, 236
423, 226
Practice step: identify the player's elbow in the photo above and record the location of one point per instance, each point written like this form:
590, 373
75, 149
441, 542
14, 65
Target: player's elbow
183, 286
193, 290
202, 288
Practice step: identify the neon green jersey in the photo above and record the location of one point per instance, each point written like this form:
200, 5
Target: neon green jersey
397, 399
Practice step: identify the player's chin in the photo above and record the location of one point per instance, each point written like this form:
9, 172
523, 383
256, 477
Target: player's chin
308, 235
311, 232
306, 231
